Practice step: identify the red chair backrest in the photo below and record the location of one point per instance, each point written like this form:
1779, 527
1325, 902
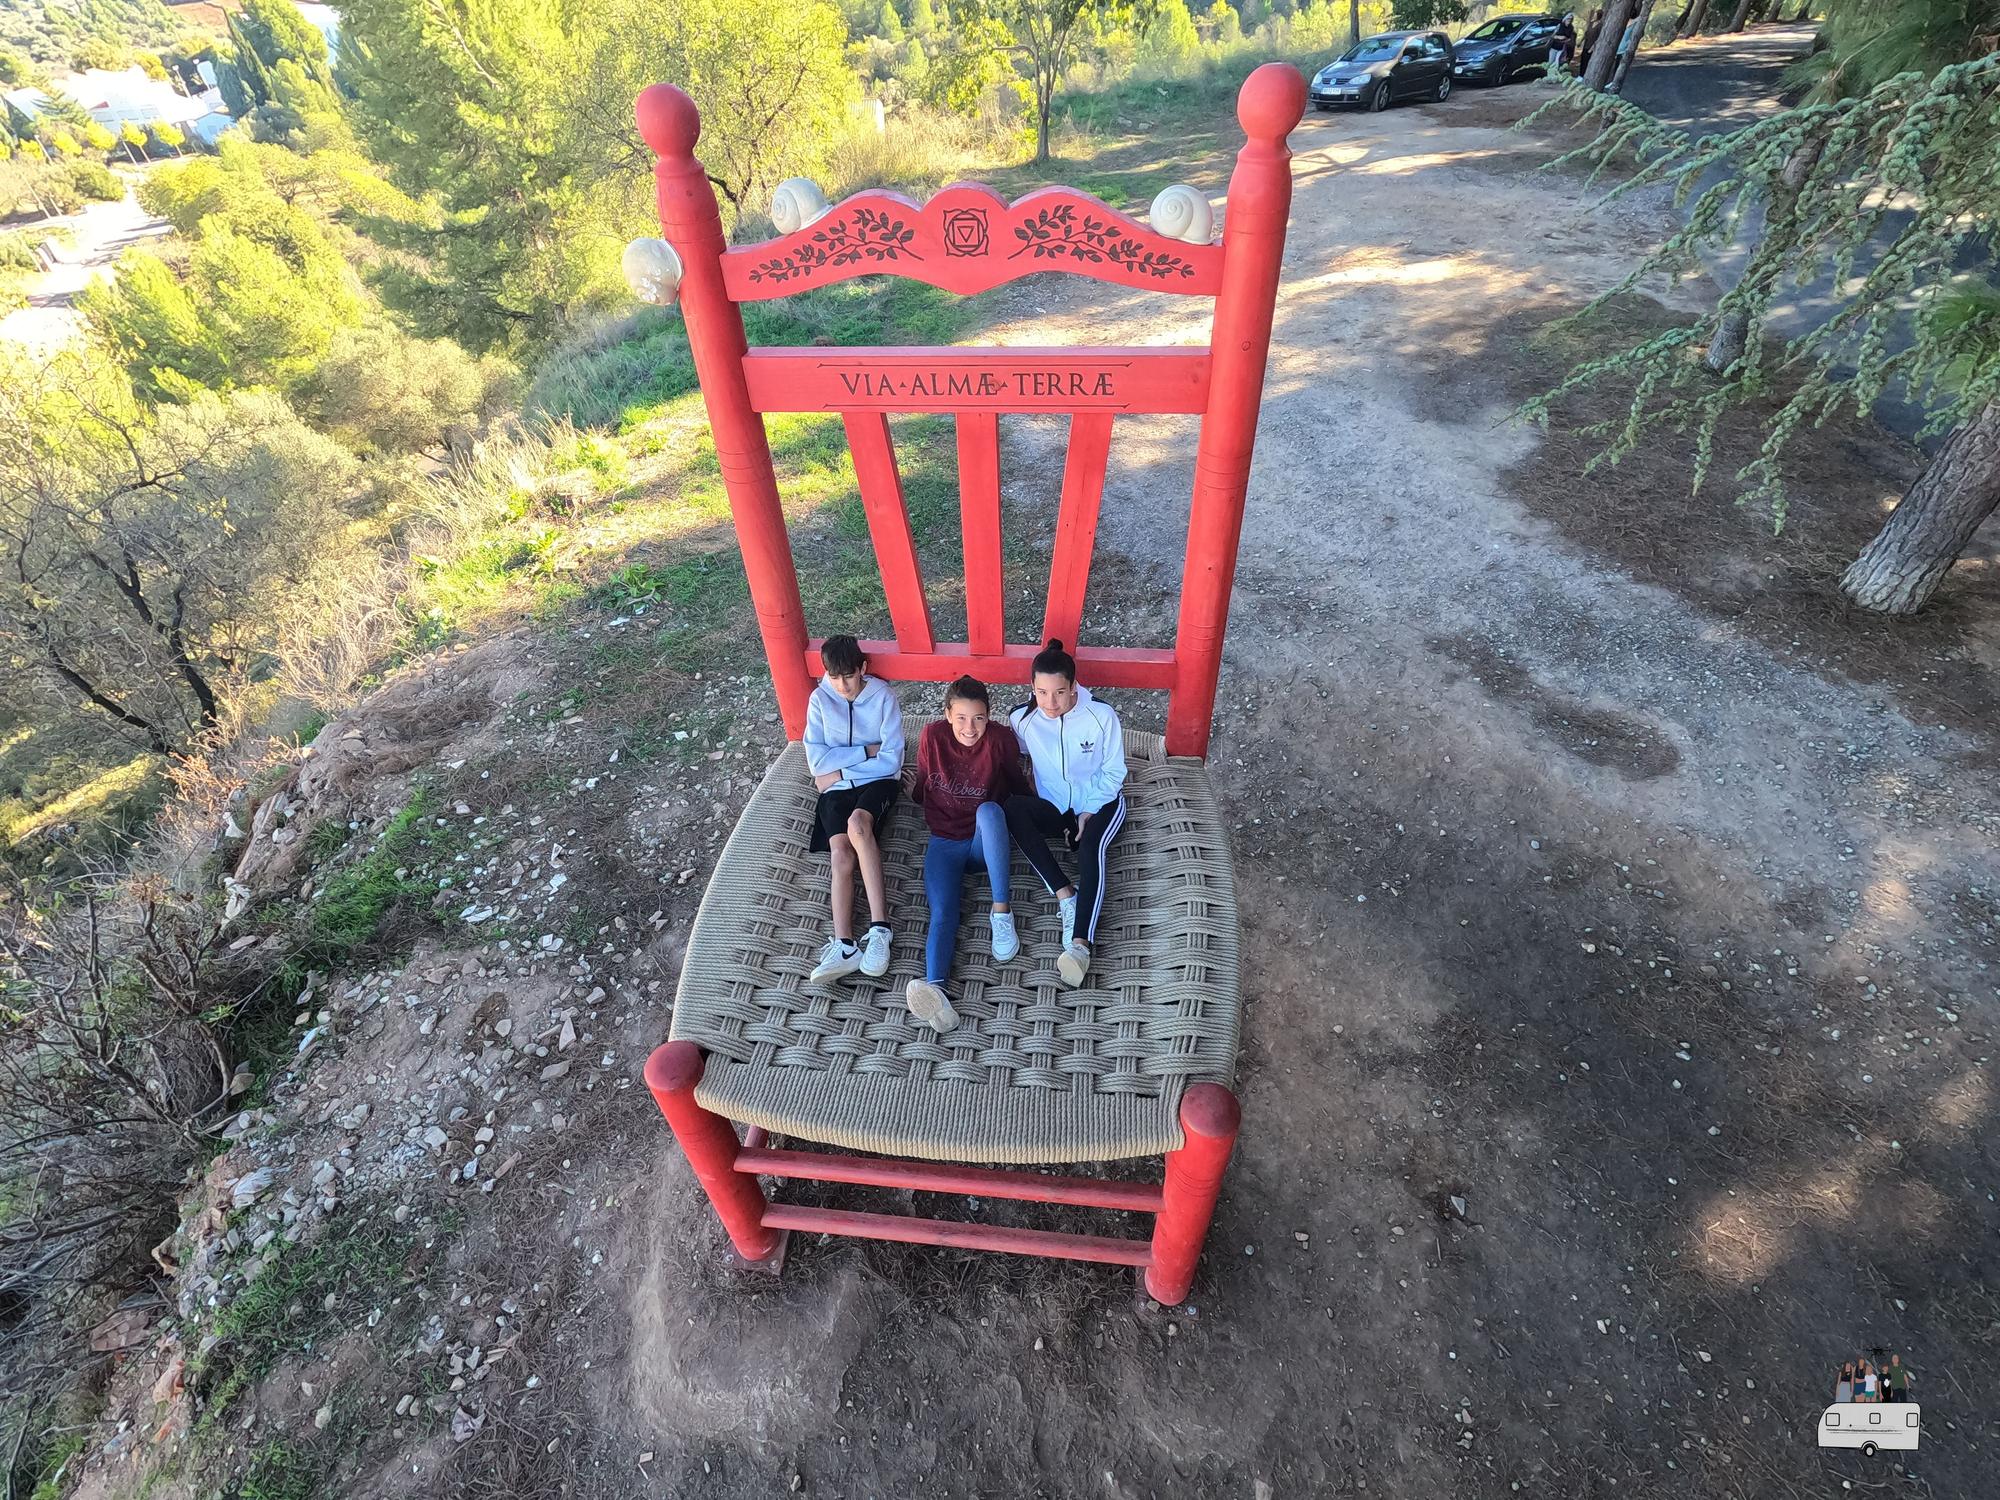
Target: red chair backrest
965, 240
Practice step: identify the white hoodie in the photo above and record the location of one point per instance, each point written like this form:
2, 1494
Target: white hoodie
839, 732
1079, 759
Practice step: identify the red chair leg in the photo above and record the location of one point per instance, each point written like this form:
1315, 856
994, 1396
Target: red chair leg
710, 1143
1210, 1116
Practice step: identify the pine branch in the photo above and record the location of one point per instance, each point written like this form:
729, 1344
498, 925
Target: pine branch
1916, 158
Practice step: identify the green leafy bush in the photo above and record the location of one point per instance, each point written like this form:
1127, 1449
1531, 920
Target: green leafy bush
381, 391
95, 180
17, 252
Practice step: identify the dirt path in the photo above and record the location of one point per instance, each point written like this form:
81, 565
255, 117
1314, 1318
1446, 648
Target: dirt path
1619, 954
1636, 933
1712, 83
102, 232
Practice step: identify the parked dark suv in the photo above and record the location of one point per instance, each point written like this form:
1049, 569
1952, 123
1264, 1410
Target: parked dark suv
1378, 70
1504, 48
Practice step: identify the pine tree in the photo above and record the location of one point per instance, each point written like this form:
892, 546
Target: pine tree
252, 83
515, 118
1891, 194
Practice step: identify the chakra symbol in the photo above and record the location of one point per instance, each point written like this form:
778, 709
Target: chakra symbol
965, 231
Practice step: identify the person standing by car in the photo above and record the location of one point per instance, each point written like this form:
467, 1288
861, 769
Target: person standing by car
1562, 47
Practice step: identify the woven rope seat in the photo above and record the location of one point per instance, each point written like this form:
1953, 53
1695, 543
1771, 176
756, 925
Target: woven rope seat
1034, 1072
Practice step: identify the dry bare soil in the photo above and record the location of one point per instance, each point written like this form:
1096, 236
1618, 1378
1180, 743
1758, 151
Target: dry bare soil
1620, 930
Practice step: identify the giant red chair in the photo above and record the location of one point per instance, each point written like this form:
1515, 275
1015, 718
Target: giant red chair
1138, 1061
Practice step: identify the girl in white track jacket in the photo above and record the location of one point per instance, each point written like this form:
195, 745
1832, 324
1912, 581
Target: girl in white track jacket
1077, 749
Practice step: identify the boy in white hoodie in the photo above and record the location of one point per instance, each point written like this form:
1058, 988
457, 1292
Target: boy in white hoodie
1078, 752
854, 749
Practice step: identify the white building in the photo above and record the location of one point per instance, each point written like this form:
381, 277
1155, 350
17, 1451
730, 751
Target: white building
29, 102
127, 96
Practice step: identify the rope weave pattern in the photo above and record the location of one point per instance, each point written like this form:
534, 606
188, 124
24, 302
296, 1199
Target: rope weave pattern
1034, 1072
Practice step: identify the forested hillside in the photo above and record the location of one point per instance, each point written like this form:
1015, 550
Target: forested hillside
83, 33
399, 244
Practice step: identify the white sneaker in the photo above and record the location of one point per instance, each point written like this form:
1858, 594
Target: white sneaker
875, 952
1006, 941
1074, 964
928, 1004
1067, 906
837, 960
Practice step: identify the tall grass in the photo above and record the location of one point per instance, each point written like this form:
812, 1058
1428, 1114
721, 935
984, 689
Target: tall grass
920, 150
622, 372
638, 359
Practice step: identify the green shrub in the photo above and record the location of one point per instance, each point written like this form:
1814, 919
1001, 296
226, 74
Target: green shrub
55, 193
280, 1470
352, 904
95, 180
381, 391
17, 252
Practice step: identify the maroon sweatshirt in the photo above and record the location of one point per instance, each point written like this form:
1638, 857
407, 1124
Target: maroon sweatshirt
953, 779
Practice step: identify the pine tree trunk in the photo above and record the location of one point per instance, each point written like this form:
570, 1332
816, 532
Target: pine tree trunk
1353, 22
1604, 56
1725, 345
1045, 103
1899, 571
1732, 329
1695, 18
1625, 59
1742, 17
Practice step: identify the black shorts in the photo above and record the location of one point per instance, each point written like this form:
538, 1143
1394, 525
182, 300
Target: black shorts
834, 808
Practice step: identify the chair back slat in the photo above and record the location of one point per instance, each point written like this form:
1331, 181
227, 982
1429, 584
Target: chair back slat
979, 523
1076, 524
881, 488
967, 239
940, 380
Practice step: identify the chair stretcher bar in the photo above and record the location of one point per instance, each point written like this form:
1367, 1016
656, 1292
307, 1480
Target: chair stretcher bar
929, 1177
910, 1230
728, 1167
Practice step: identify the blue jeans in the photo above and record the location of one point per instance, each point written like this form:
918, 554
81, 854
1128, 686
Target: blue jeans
945, 864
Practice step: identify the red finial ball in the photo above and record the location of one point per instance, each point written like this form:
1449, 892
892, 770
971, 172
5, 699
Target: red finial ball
668, 120
1273, 100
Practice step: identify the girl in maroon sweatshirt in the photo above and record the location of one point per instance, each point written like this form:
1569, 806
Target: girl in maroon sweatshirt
966, 768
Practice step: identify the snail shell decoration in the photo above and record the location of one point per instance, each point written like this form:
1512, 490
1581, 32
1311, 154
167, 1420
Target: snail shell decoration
653, 271
1181, 213
795, 203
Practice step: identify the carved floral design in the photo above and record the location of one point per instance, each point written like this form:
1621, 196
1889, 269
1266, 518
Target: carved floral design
869, 234
1059, 232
